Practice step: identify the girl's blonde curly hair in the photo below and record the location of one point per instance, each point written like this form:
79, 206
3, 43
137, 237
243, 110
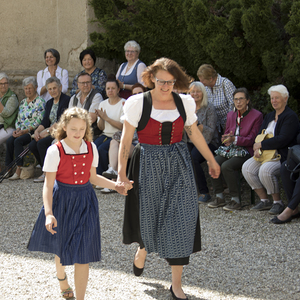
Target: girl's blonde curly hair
74, 112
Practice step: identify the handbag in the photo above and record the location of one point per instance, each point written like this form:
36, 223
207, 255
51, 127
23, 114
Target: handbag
266, 155
293, 158
28, 171
231, 151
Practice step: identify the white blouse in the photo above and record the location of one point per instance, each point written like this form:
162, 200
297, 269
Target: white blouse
52, 158
133, 109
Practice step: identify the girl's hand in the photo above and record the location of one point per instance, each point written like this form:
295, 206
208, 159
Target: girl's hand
123, 187
50, 223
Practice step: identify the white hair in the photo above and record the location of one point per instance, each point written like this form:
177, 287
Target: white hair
3, 75
280, 88
200, 86
134, 45
29, 80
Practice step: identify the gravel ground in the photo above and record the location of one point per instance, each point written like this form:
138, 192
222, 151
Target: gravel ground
243, 255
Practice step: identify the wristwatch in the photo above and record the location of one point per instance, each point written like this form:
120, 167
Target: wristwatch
48, 131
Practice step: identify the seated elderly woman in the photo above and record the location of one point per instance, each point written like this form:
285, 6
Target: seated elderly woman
207, 124
283, 124
291, 185
52, 58
130, 72
30, 115
54, 108
9, 104
241, 129
88, 59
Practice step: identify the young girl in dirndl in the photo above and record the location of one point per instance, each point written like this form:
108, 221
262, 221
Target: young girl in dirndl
68, 224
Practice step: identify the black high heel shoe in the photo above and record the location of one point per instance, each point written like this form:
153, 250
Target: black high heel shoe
137, 271
174, 296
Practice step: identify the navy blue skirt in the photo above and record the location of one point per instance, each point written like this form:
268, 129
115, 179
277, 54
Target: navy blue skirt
78, 228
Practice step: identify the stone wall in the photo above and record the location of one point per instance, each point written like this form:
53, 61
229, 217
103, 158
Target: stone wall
28, 28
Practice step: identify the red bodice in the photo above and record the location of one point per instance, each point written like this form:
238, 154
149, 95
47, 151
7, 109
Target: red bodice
74, 168
155, 133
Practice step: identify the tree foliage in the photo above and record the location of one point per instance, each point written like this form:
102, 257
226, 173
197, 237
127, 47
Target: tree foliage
255, 43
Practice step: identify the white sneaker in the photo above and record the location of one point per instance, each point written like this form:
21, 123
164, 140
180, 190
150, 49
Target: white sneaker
40, 179
107, 191
14, 177
110, 173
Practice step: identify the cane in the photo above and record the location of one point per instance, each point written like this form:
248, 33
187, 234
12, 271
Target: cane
13, 164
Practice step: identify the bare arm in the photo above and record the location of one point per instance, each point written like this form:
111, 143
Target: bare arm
124, 150
48, 200
106, 183
198, 140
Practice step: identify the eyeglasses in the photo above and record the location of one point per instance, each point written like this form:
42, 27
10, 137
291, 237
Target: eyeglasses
239, 99
163, 82
130, 51
3, 84
85, 83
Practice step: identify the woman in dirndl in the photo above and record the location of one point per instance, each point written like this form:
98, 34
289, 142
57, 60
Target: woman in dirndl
161, 211
68, 224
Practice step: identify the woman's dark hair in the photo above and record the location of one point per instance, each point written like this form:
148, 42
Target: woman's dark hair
55, 53
136, 85
112, 78
246, 93
169, 65
85, 52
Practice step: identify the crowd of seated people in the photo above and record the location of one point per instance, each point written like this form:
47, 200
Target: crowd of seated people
225, 115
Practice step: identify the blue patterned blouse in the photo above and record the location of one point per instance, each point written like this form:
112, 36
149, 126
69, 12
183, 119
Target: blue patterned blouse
99, 78
30, 114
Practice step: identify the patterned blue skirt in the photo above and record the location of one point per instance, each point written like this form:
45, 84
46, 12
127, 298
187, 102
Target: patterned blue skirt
78, 228
161, 212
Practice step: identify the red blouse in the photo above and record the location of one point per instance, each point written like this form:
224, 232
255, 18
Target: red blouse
74, 168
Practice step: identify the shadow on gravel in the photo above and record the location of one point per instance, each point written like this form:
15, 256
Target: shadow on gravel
243, 255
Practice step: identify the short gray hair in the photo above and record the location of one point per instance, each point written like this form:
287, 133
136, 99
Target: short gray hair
53, 79
134, 45
200, 86
280, 88
3, 75
29, 80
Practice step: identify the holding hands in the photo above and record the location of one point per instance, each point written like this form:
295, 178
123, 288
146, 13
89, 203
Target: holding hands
123, 187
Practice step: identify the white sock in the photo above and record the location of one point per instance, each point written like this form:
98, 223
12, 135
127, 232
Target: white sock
236, 199
279, 201
220, 195
264, 200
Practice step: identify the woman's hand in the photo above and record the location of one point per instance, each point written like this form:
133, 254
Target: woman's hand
52, 70
36, 135
227, 139
257, 153
50, 223
213, 169
19, 132
44, 133
102, 114
121, 84
123, 187
256, 146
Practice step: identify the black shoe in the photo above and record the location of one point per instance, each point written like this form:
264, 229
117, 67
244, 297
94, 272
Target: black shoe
137, 271
296, 216
275, 220
174, 296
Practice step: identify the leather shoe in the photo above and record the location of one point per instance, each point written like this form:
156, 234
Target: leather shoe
296, 216
174, 296
137, 271
275, 220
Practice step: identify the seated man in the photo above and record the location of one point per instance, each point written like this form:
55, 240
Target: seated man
54, 108
87, 98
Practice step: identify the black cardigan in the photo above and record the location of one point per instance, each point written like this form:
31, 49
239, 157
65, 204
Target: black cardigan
62, 105
286, 131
